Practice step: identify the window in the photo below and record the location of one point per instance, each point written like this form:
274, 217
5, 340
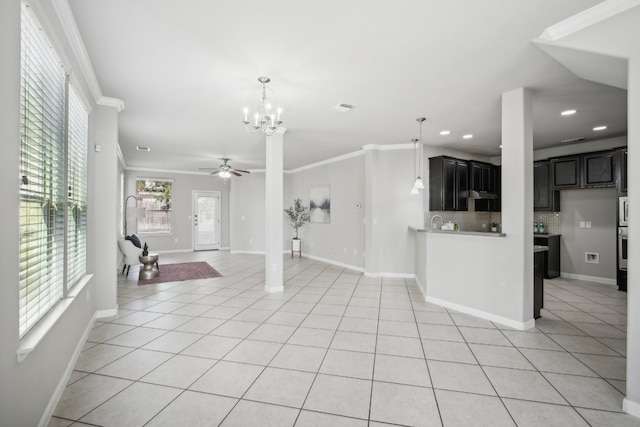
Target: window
53, 169
155, 196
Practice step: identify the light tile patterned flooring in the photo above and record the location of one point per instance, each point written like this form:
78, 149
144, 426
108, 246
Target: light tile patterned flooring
340, 349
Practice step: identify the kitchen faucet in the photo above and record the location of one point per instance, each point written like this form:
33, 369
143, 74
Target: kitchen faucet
434, 217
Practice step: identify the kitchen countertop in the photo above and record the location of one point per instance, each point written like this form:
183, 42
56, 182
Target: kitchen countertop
544, 235
539, 248
422, 229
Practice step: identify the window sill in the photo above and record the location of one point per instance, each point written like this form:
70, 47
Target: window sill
30, 341
155, 233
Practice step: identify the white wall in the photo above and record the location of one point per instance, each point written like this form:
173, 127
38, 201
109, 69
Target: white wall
27, 388
597, 205
247, 203
181, 237
342, 240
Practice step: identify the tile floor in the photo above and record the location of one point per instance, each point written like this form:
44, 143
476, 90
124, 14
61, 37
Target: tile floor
339, 349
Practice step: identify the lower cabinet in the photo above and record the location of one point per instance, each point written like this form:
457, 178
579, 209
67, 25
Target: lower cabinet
552, 256
538, 282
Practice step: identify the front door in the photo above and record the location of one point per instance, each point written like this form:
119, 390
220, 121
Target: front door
206, 220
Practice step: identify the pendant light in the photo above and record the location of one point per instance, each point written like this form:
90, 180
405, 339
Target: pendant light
418, 184
414, 189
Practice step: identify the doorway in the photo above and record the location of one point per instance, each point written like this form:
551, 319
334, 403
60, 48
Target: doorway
206, 220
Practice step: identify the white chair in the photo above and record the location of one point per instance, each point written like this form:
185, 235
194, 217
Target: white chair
130, 252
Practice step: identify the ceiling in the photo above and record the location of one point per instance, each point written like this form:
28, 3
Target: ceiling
185, 70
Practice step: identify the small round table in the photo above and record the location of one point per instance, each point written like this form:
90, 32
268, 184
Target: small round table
149, 268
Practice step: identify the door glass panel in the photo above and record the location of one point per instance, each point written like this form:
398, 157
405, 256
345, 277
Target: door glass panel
206, 222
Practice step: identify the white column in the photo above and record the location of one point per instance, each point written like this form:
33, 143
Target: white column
102, 233
517, 191
371, 172
274, 213
632, 400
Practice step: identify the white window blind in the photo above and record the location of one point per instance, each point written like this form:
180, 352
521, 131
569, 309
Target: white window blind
52, 152
77, 189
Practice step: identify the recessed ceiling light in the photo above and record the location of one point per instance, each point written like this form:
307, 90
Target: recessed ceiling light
568, 112
597, 128
467, 136
143, 148
445, 132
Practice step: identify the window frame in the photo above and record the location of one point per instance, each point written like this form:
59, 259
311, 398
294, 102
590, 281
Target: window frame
140, 202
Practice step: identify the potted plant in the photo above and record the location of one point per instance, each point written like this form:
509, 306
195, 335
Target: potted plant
298, 215
494, 227
145, 249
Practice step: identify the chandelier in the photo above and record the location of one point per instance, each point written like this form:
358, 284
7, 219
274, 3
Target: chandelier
265, 120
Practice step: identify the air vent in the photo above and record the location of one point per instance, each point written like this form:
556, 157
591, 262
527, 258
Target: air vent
143, 148
343, 107
580, 138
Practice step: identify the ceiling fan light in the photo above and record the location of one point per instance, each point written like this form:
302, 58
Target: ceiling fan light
418, 184
224, 174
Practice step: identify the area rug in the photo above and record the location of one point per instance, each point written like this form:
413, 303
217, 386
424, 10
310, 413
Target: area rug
181, 272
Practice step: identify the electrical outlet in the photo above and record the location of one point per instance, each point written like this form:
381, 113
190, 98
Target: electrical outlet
588, 224
582, 224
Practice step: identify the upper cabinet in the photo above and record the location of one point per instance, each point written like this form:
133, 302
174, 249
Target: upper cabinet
588, 170
599, 169
448, 184
565, 172
622, 170
544, 197
485, 178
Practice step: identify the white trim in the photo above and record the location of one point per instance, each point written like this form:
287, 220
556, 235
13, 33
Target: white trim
273, 289
247, 252
62, 384
601, 280
174, 251
482, 314
587, 18
105, 314
631, 407
327, 161
388, 147
332, 262
106, 101
391, 275
175, 171
30, 341
121, 157
226, 248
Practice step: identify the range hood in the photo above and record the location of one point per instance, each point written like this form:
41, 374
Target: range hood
483, 195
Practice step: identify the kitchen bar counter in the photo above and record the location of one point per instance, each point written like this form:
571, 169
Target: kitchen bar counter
422, 229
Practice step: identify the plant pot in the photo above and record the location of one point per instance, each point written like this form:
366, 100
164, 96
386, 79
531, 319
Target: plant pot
494, 229
295, 245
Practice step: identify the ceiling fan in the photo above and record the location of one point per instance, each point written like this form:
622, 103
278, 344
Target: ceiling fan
225, 171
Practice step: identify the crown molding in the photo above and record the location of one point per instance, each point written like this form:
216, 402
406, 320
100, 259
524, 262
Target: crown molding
327, 161
387, 147
105, 101
587, 18
171, 171
121, 157
72, 34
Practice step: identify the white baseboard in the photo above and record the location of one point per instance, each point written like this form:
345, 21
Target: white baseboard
62, 384
103, 314
391, 275
482, 314
247, 252
332, 262
631, 407
174, 251
601, 280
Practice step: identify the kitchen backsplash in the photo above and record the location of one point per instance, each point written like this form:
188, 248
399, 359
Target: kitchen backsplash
481, 221
551, 221
468, 221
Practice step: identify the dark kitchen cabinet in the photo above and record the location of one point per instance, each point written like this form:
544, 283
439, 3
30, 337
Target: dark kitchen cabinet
481, 179
598, 169
552, 256
538, 283
495, 205
448, 184
544, 197
565, 172
622, 170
